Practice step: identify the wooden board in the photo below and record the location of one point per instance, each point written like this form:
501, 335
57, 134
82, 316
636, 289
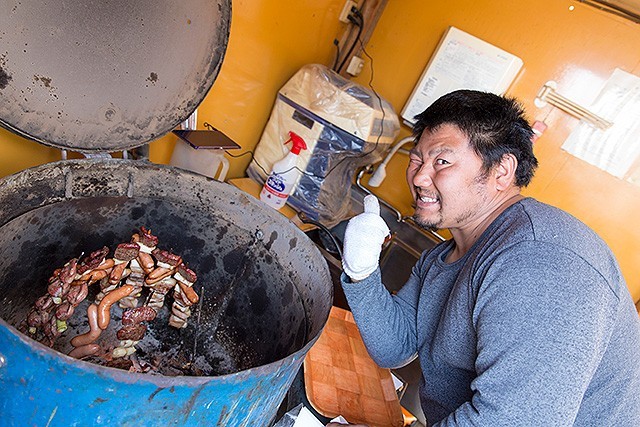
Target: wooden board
341, 378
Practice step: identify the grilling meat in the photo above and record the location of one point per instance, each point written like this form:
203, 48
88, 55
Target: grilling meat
121, 279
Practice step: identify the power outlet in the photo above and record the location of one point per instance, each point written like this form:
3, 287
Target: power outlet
346, 11
355, 66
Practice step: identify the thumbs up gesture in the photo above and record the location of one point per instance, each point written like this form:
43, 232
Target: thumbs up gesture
363, 239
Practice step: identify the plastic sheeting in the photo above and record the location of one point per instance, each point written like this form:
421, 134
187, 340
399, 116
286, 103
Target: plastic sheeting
345, 126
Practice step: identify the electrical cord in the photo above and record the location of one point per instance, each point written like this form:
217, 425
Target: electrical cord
356, 19
335, 63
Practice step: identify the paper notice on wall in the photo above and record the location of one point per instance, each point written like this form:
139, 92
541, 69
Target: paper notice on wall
461, 61
616, 149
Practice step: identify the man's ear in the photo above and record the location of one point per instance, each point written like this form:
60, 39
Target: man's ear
505, 171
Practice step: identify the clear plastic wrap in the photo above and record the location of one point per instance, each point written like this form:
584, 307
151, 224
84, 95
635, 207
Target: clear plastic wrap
345, 127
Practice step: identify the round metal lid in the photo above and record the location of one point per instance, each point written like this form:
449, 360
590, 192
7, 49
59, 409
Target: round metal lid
107, 75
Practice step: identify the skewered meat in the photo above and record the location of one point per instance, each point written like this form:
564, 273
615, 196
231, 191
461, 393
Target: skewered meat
136, 280
158, 292
133, 329
57, 289
124, 253
44, 302
88, 264
138, 315
68, 273
77, 294
183, 297
133, 332
138, 263
167, 263
147, 243
64, 311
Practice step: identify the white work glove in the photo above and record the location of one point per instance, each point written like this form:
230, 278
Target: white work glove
363, 239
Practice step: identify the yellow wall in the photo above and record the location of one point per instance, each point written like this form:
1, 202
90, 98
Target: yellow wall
579, 49
269, 42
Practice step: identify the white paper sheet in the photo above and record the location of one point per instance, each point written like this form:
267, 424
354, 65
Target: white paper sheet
306, 419
617, 149
461, 61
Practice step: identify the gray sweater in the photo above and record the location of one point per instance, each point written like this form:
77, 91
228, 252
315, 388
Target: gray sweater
533, 326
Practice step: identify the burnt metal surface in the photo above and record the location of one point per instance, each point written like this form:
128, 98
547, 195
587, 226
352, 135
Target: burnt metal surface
263, 319
247, 338
107, 75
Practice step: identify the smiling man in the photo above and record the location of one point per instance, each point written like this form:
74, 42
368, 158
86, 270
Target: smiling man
523, 317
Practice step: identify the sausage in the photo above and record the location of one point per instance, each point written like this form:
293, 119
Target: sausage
99, 272
117, 272
94, 331
84, 351
188, 291
96, 275
107, 264
146, 262
157, 275
104, 309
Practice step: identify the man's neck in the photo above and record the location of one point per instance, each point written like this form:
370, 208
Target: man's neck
465, 238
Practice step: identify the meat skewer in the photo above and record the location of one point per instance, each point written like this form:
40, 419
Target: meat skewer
135, 279
121, 279
147, 243
132, 330
124, 253
167, 264
183, 297
96, 267
159, 291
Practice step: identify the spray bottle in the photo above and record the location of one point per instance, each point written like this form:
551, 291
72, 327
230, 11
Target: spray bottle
284, 175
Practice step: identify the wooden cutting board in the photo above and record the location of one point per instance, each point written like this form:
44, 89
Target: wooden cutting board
341, 379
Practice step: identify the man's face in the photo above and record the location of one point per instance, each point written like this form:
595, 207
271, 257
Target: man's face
447, 180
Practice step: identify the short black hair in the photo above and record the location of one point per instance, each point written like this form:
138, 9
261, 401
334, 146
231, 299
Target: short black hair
495, 125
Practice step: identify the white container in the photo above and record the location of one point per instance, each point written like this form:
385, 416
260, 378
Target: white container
205, 161
202, 151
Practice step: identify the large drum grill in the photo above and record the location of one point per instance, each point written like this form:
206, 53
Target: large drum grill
265, 289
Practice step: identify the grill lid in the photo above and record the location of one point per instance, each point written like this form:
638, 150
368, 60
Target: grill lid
96, 76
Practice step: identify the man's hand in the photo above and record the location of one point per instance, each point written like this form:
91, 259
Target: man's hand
363, 239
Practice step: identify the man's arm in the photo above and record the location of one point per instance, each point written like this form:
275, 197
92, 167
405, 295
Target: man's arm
387, 324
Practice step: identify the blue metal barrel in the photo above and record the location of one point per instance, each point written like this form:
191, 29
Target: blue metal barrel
41, 387
55, 211
114, 77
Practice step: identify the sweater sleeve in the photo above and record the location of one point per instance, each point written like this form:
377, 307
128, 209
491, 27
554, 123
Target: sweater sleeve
542, 319
386, 322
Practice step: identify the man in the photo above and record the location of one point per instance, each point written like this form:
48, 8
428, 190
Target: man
523, 317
